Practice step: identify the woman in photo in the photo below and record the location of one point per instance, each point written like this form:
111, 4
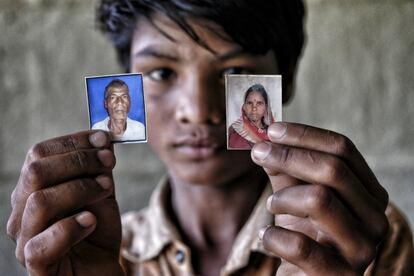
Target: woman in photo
256, 116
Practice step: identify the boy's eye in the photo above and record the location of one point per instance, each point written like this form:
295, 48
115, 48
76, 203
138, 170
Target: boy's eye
162, 74
235, 71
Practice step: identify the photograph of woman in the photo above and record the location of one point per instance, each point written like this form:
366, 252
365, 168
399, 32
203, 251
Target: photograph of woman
255, 116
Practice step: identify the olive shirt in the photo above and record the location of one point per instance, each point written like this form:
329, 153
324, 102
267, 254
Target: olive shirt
152, 245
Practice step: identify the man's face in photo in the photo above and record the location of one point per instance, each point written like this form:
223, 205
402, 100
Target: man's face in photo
118, 102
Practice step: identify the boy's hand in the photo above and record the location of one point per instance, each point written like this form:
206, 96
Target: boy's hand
328, 205
65, 219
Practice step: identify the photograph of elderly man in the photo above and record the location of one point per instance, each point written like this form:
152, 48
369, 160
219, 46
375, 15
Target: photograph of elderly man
117, 102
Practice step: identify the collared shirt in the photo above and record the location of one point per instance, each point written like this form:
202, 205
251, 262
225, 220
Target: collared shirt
152, 245
134, 130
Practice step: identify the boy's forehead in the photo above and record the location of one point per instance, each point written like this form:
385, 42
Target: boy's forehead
163, 39
163, 31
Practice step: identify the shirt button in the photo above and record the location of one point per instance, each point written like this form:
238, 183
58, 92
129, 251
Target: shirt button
179, 256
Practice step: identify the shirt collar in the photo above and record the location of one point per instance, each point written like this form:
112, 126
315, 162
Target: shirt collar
156, 231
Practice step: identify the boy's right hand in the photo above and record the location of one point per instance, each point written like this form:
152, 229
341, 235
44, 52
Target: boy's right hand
65, 219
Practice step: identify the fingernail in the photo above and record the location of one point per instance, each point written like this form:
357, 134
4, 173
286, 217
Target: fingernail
106, 157
85, 219
277, 130
261, 150
104, 181
98, 139
262, 232
269, 202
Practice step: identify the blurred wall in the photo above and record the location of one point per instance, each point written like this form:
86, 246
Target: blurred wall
356, 77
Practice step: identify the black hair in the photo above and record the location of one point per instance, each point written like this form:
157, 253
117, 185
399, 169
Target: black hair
115, 83
257, 88
256, 25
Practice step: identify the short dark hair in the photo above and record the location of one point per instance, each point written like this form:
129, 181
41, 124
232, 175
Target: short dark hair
115, 83
257, 88
256, 25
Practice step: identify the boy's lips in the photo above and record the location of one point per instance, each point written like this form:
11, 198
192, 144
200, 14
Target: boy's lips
196, 149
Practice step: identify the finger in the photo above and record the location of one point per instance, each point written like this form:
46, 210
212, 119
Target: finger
47, 248
302, 251
45, 172
280, 180
318, 168
108, 232
335, 225
46, 205
74, 142
304, 136
63, 167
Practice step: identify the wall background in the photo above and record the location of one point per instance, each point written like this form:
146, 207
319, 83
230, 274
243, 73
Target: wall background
356, 77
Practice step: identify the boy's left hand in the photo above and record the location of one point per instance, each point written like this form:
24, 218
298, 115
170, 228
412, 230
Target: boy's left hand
328, 205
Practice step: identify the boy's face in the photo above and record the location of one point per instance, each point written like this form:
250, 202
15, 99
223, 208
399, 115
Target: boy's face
185, 97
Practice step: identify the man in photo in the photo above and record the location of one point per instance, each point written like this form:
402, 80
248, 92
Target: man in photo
117, 103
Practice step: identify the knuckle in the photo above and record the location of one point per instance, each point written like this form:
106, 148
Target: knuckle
79, 159
300, 248
12, 227
334, 170
383, 197
285, 155
382, 226
36, 203
342, 144
20, 256
34, 250
304, 133
83, 184
366, 254
312, 157
70, 143
13, 198
320, 199
39, 150
33, 172
35, 152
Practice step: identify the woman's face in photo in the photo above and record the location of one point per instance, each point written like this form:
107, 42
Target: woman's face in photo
255, 107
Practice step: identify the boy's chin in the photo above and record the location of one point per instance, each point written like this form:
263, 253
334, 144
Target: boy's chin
208, 174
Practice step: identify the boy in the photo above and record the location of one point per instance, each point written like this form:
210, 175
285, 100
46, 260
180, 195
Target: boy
331, 213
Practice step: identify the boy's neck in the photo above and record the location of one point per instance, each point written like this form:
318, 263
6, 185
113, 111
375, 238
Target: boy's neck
210, 217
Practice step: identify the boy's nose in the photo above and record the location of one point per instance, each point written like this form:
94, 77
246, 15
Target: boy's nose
201, 102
